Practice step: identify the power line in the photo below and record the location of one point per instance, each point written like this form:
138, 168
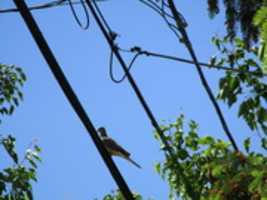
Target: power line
137, 51
138, 93
51, 4
71, 96
180, 32
73, 11
128, 68
181, 27
179, 59
148, 53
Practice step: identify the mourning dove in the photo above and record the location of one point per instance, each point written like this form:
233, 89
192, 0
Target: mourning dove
113, 148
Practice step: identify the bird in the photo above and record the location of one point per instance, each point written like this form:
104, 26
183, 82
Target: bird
113, 148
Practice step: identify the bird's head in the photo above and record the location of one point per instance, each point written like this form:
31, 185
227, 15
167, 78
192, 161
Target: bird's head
102, 132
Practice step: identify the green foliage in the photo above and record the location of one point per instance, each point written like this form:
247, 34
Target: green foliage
15, 181
212, 168
238, 15
11, 80
247, 85
260, 20
117, 195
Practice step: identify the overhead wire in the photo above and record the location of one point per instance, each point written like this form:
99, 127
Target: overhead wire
139, 95
71, 96
111, 73
188, 61
113, 36
181, 25
183, 37
73, 11
161, 12
121, 61
157, 9
127, 70
48, 5
102, 18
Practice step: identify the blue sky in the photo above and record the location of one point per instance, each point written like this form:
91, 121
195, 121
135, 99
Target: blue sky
72, 168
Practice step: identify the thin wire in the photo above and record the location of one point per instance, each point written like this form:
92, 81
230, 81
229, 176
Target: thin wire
128, 69
114, 48
71, 96
180, 21
87, 23
102, 17
162, 13
169, 57
139, 95
45, 5
155, 7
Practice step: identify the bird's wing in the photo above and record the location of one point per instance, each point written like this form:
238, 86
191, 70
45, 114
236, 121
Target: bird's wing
114, 148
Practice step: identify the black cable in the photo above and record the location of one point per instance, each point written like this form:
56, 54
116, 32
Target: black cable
51, 4
87, 23
162, 13
155, 7
209, 66
129, 76
180, 24
128, 68
71, 96
139, 95
102, 17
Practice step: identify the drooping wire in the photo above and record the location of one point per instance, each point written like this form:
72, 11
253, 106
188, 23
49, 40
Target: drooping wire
165, 16
181, 25
101, 16
141, 98
103, 26
74, 13
183, 60
71, 96
111, 74
113, 36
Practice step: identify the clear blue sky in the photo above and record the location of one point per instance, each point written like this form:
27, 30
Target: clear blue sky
72, 168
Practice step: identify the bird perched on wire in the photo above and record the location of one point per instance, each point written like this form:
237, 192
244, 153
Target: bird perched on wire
113, 148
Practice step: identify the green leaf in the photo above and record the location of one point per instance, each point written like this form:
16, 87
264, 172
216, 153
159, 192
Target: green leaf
11, 109
247, 143
208, 140
264, 143
239, 43
37, 149
9, 145
213, 60
182, 154
217, 170
157, 168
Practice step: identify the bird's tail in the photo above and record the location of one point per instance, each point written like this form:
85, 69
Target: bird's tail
133, 162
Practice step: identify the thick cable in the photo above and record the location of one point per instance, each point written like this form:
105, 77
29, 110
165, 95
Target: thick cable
71, 96
181, 24
129, 76
140, 97
51, 4
188, 44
